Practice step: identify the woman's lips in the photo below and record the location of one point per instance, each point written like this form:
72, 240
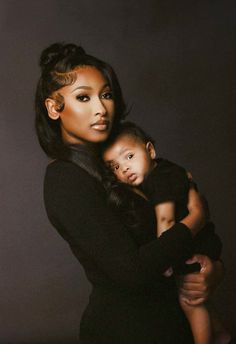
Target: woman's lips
100, 125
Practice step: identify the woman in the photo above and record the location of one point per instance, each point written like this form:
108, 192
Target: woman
78, 103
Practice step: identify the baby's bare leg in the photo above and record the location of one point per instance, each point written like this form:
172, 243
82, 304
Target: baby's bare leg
219, 332
199, 319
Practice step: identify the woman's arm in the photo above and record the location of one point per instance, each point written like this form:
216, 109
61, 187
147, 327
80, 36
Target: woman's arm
196, 287
76, 206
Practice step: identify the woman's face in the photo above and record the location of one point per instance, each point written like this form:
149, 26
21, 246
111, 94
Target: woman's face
88, 108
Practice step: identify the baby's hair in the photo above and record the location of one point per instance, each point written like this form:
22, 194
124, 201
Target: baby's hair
130, 129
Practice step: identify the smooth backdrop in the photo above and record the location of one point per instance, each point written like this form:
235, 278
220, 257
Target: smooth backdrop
176, 64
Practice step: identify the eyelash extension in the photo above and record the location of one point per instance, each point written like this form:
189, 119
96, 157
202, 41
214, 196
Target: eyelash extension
84, 98
81, 98
109, 94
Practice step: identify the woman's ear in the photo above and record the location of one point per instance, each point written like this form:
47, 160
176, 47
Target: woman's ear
151, 150
51, 106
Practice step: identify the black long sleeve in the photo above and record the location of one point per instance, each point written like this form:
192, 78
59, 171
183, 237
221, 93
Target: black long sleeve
169, 182
76, 206
208, 243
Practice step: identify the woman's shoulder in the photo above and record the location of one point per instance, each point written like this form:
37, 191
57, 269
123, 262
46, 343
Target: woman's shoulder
58, 167
66, 183
65, 173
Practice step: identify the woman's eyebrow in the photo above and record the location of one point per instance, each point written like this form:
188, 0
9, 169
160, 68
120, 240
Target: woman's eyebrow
81, 87
89, 87
105, 86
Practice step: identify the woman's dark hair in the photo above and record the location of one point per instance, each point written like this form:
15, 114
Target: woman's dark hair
58, 63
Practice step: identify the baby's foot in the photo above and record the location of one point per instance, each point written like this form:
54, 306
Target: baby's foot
222, 337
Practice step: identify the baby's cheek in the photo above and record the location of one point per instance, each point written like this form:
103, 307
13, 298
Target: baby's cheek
119, 177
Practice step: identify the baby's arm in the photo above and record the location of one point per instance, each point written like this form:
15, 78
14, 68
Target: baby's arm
196, 218
165, 215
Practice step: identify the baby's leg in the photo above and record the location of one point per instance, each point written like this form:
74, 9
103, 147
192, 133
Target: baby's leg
220, 334
199, 319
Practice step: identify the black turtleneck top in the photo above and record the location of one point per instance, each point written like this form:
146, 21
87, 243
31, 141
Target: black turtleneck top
131, 301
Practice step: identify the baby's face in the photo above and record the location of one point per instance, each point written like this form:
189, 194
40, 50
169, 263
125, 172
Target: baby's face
130, 159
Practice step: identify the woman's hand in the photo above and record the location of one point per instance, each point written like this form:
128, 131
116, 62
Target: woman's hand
196, 287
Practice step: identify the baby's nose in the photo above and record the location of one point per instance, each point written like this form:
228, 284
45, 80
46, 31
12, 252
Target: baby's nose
125, 169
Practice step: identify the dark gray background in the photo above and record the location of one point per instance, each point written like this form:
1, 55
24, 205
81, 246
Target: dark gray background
176, 64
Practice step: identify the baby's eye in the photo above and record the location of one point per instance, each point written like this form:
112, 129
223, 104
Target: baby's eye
82, 98
130, 156
107, 95
115, 168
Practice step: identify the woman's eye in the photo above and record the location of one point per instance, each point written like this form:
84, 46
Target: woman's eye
107, 95
82, 98
130, 156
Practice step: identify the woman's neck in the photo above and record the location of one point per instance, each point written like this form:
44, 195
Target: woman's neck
92, 148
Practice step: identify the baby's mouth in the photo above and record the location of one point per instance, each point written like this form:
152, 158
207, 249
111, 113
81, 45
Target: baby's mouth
132, 177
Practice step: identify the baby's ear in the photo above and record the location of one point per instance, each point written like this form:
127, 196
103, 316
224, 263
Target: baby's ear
52, 108
151, 150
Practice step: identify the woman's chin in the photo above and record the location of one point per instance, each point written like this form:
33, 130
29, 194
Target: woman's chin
100, 136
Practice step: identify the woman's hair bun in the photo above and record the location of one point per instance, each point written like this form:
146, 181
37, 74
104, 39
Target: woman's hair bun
58, 51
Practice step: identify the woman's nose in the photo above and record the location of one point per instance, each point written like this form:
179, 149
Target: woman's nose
99, 108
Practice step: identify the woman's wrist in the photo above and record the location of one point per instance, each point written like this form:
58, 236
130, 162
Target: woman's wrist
198, 287
214, 275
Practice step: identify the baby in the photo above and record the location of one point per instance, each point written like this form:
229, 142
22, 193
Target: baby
131, 155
